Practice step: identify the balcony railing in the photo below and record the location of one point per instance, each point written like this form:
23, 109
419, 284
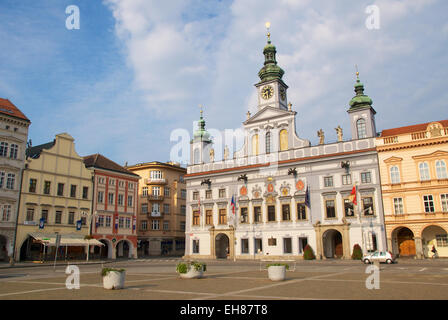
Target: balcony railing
153, 197
155, 181
418, 135
156, 214
390, 140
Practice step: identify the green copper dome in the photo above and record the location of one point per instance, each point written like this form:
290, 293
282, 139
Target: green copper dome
201, 134
270, 70
360, 100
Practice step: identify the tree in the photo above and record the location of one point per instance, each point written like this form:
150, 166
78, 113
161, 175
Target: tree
357, 252
308, 253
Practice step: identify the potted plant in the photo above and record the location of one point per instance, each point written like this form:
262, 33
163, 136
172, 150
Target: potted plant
113, 278
308, 253
191, 269
357, 252
277, 271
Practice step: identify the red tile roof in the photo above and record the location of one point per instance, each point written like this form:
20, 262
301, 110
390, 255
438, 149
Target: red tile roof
6, 107
410, 129
101, 162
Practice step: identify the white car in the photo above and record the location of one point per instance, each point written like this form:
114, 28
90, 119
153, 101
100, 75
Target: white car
381, 256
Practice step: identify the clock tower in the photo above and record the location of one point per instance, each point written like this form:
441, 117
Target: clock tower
271, 88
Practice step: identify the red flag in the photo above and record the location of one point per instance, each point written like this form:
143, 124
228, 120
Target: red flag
353, 195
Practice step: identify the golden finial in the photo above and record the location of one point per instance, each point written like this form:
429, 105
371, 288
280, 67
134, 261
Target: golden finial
357, 72
200, 106
268, 25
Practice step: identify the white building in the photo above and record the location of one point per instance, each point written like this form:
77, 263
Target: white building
269, 178
13, 138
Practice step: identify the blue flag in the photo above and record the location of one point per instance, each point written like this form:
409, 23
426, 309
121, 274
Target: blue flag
78, 225
41, 223
307, 197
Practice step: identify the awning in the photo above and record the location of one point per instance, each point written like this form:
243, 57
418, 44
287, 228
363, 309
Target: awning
66, 240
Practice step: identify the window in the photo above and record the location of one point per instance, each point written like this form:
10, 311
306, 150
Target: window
10, 181
166, 191
108, 221
183, 193
182, 226
286, 215
424, 171
121, 184
101, 221
222, 193
110, 198
32, 187
58, 217
166, 225
331, 213
366, 177
348, 208
287, 245
144, 225
120, 199
130, 185
166, 208
85, 192
71, 218
156, 191
243, 213
195, 246
29, 214
100, 196
222, 216
301, 211
328, 181
145, 191
398, 205
444, 201
268, 142
130, 201
128, 223
13, 151
157, 174
361, 128
6, 212
101, 180
209, 217
60, 189
394, 175
183, 210
283, 139
244, 246
196, 195
208, 194
442, 240
44, 215
73, 191
155, 208
255, 145
346, 179
258, 245
196, 217
367, 204
121, 222
257, 214
47, 185
441, 169
302, 244
155, 225
429, 203
144, 208
111, 182
271, 213
2, 179
3, 149
83, 221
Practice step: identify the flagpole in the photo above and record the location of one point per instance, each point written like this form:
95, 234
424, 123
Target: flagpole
360, 219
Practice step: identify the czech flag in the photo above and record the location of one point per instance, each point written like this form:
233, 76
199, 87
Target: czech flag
233, 204
353, 195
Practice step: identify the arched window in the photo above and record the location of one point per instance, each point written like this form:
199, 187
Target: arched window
441, 169
361, 127
255, 145
424, 171
394, 175
268, 142
283, 139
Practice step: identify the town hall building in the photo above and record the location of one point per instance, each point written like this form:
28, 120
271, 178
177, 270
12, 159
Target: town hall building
279, 192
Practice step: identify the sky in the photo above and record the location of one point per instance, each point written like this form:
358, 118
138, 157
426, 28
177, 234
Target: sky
137, 70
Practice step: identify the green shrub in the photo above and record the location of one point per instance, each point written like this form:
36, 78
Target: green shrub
308, 253
277, 265
183, 267
106, 271
357, 252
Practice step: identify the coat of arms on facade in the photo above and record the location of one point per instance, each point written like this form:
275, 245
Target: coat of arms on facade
300, 185
256, 192
435, 130
284, 189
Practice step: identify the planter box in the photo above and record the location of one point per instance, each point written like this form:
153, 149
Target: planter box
277, 273
114, 280
192, 274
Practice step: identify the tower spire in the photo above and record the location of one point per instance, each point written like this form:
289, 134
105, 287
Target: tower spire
270, 70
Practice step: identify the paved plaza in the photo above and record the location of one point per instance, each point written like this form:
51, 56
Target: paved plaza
156, 279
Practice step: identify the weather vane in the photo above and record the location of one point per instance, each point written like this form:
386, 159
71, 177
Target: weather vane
201, 107
357, 72
268, 25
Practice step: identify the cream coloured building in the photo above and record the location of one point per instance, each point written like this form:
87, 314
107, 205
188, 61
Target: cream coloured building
56, 199
413, 163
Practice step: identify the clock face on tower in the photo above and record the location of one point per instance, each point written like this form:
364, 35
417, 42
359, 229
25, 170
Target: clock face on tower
267, 92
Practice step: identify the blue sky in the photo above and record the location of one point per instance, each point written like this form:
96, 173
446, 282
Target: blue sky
138, 69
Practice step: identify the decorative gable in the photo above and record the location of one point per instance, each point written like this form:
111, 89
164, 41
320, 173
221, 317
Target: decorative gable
268, 113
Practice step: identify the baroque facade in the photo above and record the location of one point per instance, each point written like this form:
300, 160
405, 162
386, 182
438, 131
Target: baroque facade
279, 193
13, 139
413, 163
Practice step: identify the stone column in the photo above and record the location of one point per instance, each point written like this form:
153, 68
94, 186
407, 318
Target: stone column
389, 245
346, 241
319, 251
419, 248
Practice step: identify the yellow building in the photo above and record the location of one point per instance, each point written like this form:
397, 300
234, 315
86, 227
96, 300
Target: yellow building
413, 164
56, 198
162, 211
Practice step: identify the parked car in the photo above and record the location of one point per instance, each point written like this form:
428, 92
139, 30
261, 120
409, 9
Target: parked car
381, 256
